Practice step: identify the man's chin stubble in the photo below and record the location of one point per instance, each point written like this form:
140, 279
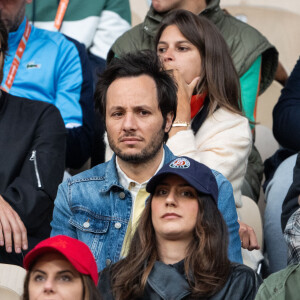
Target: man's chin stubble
137, 158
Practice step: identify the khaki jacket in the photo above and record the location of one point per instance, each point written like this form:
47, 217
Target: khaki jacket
282, 285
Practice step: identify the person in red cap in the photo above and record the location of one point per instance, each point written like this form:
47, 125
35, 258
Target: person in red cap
179, 250
61, 267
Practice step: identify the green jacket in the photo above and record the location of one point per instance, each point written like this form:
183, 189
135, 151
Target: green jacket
283, 285
246, 44
95, 23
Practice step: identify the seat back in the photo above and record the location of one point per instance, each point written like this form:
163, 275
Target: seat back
282, 29
8, 294
139, 10
12, 278
289, 5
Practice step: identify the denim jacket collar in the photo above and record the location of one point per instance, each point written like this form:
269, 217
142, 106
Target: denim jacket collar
168, 154
111, 174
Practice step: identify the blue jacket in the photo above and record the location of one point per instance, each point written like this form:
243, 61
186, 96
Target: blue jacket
55, 69
94, 208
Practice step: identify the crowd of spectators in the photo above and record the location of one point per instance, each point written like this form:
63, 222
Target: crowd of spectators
161, 117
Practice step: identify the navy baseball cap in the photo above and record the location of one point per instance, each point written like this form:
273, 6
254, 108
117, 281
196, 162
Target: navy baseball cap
196, 174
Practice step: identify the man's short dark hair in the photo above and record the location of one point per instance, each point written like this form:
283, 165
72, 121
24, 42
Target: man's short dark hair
3, 37
136, 64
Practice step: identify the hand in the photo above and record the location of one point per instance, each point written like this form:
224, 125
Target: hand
248, 237
184, 95
12, 228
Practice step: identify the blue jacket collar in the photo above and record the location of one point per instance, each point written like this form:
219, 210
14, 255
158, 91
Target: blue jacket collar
111, 174
15, 37
168, 154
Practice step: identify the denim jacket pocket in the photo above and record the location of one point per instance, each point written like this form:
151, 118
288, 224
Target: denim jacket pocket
91, 229
88, 222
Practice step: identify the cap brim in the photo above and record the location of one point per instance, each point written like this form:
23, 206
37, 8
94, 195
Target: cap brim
156, 179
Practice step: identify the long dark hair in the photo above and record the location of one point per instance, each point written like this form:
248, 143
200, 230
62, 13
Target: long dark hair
206, 264
218, 75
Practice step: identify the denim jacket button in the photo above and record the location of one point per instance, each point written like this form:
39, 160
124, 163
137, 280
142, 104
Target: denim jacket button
86, 224
122, 195
108, 262
118, 225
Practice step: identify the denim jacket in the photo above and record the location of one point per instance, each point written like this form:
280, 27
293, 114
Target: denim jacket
94, 208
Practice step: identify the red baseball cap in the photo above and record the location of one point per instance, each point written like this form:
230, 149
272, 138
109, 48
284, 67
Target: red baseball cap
75, 251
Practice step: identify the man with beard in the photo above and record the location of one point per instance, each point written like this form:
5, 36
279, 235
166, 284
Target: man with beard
101, 206
32, 161
254, 58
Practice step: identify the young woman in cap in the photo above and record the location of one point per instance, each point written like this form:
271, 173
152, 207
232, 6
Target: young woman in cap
179, 250
60, 267
209, 126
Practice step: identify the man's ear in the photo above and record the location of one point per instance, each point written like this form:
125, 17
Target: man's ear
169, 121
28, 1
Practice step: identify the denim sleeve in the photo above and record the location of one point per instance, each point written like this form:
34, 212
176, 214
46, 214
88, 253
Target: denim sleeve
62, 214
290, 203
227, 208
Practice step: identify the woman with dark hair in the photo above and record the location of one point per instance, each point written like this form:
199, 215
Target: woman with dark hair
179, 250
209, 126
61, 267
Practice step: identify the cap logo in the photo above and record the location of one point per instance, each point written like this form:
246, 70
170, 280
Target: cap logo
180, 163
60, 244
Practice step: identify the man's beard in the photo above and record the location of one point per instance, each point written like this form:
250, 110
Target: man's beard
12, 25
145, 155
